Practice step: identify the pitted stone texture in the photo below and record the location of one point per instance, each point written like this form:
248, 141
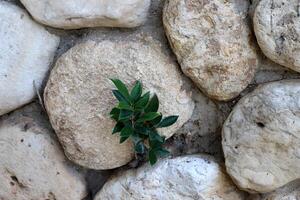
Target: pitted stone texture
182, 178
261, 137
32, 163
26, 52
213, 44
74, 14
277, 29
288, 192
78, 96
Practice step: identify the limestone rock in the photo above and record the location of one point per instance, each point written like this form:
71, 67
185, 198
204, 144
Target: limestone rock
78, 96
288, 192
213, 44
26, 52
181, 178
277, 29
74, 14
261, 137
32, 164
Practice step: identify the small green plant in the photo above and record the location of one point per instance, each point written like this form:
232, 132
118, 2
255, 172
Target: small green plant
137, 118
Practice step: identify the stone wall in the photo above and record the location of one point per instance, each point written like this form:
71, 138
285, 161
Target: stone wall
228, 68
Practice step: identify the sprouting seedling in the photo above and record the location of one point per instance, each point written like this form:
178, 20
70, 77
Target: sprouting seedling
137, 118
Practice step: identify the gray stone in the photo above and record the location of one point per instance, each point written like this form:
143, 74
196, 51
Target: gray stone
75, 14
26, 52
32, 163
182, 178
277, 29
261, 137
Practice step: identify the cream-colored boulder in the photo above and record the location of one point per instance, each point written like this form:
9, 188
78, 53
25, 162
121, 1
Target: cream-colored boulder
32, 163
213, 44
182, 178
74, 14
277, 29
78, 96
261, 137
26, 52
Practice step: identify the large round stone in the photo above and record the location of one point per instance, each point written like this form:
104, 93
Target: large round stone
74, 14
261, 137
213, 43
188, 177
277, 29
78, 96
32, 163
26, 52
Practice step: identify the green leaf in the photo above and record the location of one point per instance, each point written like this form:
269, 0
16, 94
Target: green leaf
168, 121
152, 157
122, 88
135, 137
125, 133
153, 104
162, 152
154, 136
142, 102
136, 91
142, 130
139, 147
118, 127
125, 114
124, 105
123, 139
119, 96
148, 117
114, 113
156, 144
156, 120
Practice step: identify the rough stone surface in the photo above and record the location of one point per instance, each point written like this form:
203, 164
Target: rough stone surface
78, 96
26, 52
213, 44
261, 137
269, 71
74, 14
32, 164
182, 178
277, 29
288, 192
202, 132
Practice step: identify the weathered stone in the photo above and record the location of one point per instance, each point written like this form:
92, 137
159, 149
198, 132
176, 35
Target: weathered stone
202, 132
26, 52
78, 96
261, 137
277, 29
32, 164
288, 192
188, 177
74, 14
213, 44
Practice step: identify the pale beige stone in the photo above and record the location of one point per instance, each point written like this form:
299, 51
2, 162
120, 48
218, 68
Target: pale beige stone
277, 29
213, 43
74, 14
261, 137
78, 96
32, 163
182, 178
26, 52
